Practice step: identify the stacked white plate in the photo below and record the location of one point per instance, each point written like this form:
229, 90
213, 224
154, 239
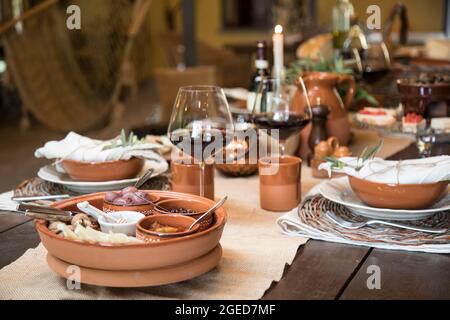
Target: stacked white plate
50, 174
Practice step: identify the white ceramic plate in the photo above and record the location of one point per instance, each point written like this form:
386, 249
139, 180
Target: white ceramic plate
49, 173
339, 191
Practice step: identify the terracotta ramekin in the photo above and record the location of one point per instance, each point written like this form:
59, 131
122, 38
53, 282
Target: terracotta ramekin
199, 207
146, 208
174, 220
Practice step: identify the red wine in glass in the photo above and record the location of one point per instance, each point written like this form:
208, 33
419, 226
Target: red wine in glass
196, 142
288, 125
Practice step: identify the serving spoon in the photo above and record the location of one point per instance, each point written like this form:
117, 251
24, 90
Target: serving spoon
207, 213
144, 178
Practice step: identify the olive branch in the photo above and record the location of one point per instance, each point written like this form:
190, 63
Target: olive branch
366, 154
124, 141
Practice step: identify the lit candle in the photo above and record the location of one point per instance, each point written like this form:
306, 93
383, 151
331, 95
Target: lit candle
278, 52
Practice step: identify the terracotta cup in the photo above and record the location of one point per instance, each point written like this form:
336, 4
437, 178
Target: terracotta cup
279, 183
186, 178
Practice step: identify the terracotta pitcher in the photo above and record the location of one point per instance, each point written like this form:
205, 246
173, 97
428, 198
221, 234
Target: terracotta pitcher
324, 85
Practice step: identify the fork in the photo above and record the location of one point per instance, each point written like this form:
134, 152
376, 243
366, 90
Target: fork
358, 225
89, 209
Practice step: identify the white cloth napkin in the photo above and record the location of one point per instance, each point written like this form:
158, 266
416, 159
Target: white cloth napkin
80, 148
418, 171
291, 225
236, 93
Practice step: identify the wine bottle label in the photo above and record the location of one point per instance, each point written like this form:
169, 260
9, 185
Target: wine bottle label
261, 64
254, 101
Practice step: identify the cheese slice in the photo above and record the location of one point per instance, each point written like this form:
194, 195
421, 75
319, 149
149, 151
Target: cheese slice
440, 124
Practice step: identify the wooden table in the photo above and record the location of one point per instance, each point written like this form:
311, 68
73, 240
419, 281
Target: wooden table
320, 270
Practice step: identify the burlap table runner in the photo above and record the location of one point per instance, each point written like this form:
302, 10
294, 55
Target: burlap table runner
254, 251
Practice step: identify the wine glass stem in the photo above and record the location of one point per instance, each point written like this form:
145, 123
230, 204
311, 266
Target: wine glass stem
282, 147
202, 178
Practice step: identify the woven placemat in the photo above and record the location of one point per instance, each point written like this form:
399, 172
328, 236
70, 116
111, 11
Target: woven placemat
313, 210
38, 187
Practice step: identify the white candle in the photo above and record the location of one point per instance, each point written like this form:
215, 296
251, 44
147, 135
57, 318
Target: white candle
278, 52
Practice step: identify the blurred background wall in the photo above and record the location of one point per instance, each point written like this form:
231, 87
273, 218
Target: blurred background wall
211, 31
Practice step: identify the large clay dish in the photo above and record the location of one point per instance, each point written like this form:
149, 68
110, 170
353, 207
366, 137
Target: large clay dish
416, 97
133, 256
141, 278
399, 196
103, 171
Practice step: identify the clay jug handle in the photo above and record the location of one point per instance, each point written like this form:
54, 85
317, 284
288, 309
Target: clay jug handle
351, 91
333, 144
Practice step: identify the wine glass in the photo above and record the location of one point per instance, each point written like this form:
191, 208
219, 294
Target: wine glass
275, 112
201, 124
376, 62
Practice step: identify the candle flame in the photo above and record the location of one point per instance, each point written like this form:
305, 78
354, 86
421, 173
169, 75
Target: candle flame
278, 29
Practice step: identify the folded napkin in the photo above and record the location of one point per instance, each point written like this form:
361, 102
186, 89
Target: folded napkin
292, 225
80, 148
236, 93
418, 171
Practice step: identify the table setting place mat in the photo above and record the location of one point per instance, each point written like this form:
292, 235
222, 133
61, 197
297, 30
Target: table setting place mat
255, 250
310, 221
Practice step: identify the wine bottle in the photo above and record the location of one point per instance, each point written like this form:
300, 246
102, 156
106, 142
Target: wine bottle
262, 72
343, 13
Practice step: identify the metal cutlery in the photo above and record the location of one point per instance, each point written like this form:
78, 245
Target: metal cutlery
207, 213
37, 198
145, 177
358, 225
39, 212
151, 202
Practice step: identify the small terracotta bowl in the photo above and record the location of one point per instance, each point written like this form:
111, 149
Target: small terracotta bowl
400, 196
174, 220
199, 207
103, 171
146, 208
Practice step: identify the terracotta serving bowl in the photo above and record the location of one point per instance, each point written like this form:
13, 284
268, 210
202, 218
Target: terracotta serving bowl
103, 171
400, 196
144, 233
146, 208
132, 256
198, 207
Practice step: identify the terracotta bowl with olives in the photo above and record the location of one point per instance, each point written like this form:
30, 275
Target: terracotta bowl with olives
130, 199
189, 208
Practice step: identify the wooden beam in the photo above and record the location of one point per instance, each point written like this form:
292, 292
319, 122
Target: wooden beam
312, 10
189, 34
447, 18
27, 14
